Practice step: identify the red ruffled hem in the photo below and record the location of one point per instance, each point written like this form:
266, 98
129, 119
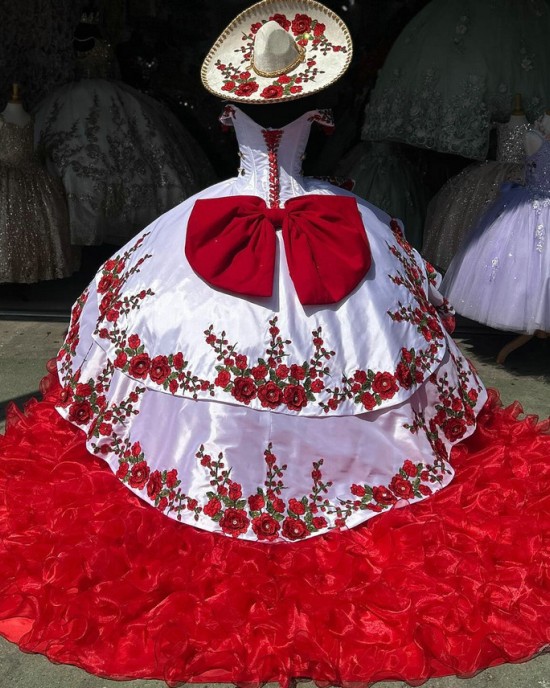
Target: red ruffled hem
92, 576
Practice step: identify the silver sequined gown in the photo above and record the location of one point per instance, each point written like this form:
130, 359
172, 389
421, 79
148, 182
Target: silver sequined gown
461, 202
124, 158
34, 231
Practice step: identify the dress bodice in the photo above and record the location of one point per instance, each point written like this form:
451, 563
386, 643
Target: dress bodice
511, 142
16, 143
537, 176
271, 159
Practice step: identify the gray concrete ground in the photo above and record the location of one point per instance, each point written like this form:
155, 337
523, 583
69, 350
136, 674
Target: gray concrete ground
24, 348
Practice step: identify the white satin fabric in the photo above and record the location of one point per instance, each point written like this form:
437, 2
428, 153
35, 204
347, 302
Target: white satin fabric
145, 363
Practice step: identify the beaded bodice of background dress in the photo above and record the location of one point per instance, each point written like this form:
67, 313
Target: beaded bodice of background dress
537, 174
271, 159
511, 142
16, 144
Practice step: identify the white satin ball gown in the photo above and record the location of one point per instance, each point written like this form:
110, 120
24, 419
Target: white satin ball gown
186, 371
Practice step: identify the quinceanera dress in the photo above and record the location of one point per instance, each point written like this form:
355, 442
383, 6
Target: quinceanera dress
463, 200
34, 227
181, 504
454, 70
501, 276
123, 157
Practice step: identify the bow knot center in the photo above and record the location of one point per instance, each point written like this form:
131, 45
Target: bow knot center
275, 216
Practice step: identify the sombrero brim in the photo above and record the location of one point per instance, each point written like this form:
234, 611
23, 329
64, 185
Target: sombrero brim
227, 70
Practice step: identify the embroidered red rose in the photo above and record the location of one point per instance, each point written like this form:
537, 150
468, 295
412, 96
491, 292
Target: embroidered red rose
256, 502
294, 396
473, 395
234, 522
401, 487
246, 89
383, 496
284, 79
274, 331
385, 385
319, 29
122, 470
297, 372
139, 366
301, 24
212, 507
410, 469
425, 490
154, 485
120, 359
358, 490
253, 29
235, 491
228, 86
295, 89
244, 389
178, 360
265, 527
273, 91
294, 529
319, 522
454, 429
80, 412
65, 396
171, 478
278, 505
457, 404
281, 20
105, 429
259, 372
223, 378
296, 507
139, 475
136, 449
83, 390
270, 395
134, 341
107, 283
281, 371
211, 339
403, 375
317, 386
368, 401
159, 370
241, 362
360, 376
109, 265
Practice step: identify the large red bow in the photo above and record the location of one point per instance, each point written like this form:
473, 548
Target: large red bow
231, 244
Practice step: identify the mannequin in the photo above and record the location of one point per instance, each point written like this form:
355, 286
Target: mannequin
534, 139
14, 113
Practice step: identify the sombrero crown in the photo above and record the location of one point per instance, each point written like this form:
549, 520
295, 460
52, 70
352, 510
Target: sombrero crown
278, 50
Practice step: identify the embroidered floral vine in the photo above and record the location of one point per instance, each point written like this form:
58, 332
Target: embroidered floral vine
266, 513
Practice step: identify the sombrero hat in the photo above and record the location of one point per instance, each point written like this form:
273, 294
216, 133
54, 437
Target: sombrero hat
278, 50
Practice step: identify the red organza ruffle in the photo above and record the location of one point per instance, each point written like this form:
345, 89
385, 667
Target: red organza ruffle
90, 575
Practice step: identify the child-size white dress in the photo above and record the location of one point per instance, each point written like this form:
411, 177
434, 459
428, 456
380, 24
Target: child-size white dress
501, 275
